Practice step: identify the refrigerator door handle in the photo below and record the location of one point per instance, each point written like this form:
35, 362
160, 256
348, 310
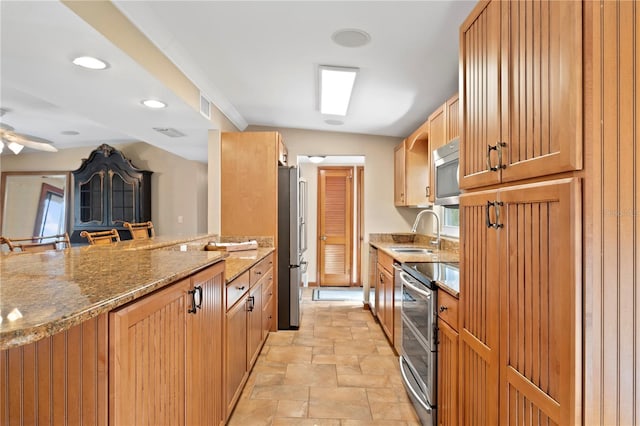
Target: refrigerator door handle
293, 266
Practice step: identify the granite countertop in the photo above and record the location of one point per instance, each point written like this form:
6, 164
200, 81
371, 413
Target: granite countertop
240, 261
55, 290
437, 255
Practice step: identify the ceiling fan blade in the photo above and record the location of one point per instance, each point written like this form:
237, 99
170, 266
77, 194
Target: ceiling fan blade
6, 127
32, 142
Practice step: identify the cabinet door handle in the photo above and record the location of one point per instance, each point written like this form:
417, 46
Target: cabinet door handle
194, 307
251, 302
495, 205
427, 191
198, 289
497, 147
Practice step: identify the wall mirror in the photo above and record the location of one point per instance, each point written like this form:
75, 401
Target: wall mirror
34, 203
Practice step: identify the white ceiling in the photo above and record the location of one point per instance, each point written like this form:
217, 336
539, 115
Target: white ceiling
256, 60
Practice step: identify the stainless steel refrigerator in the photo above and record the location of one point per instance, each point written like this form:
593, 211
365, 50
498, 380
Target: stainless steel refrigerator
292, 243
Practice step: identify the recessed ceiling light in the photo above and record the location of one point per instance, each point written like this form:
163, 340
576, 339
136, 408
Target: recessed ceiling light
153, 103
90, 62
69, 133
334, 122
351, 37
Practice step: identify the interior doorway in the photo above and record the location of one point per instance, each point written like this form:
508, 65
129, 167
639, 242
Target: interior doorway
309, 171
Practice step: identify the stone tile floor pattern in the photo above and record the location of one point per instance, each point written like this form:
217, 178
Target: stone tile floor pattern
337, 369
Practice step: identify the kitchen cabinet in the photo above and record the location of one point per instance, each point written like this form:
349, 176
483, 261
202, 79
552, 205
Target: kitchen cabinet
520, 303
447, 359
165, 361
109, 190
249, 189
385, 283
412, 158
443, 127
245, 331
373, 280
521, 91
399, 179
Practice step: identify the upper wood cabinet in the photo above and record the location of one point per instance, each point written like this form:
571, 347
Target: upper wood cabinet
520, 304
109, 190
411, 169
521, 91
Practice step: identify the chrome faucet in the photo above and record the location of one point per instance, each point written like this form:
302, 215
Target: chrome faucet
417, 221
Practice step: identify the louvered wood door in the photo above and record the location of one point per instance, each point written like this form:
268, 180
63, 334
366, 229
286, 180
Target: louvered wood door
479, 312
479, 94
541, 88
335, 225
540, 309
147, 344
204, 350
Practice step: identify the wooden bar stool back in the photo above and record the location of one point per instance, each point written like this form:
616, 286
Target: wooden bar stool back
37, 244
101, 238
140, 231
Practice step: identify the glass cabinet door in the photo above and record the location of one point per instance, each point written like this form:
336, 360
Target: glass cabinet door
122, 200
91, 199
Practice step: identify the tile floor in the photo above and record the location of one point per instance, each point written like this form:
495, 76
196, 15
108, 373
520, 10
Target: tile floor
337, 369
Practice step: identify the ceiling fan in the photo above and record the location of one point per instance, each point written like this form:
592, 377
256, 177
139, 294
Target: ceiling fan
16, 141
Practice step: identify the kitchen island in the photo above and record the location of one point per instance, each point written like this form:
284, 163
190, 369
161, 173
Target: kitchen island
83, 329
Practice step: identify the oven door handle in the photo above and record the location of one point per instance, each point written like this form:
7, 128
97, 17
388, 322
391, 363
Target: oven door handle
405, 281
413, 392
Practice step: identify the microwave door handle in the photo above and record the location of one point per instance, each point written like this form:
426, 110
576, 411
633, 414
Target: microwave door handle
403, 277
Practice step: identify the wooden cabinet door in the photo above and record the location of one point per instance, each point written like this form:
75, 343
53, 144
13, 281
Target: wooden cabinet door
541, 88
147, 365
387, 306
235, 352
447, 375
452, 112
254, 324
437, 138
479, 95
204, 349
479, 311
399, 195
540, 312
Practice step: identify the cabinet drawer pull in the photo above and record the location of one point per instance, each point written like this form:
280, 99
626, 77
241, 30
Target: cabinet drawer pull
443, 308
240, 288
258, 272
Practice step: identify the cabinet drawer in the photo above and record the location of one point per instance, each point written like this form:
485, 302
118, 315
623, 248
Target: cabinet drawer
236, 288
267, 318
385, 260
260, 269
267, 287
448, 309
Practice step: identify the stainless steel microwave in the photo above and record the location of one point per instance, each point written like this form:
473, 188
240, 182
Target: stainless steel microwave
446, 162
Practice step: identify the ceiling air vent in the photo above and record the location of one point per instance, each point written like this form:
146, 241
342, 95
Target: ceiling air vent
167, 131
205, 106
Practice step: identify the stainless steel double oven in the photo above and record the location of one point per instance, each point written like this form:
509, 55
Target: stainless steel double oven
419, 349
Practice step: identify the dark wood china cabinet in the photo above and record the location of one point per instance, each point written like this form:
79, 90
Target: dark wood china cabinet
108, 190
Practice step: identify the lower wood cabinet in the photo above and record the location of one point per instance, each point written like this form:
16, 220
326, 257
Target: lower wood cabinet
165, 358
249, 309
447, 360
385, 292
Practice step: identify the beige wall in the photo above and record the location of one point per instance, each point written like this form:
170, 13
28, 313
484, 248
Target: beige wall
178, 186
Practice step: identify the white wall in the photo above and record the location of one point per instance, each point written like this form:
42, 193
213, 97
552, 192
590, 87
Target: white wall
178, 186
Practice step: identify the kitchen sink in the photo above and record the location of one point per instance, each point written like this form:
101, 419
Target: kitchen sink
411, 250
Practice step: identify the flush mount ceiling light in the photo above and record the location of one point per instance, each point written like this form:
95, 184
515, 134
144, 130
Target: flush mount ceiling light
153, 104
351, 37
336, 86
90, 62
316, 158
